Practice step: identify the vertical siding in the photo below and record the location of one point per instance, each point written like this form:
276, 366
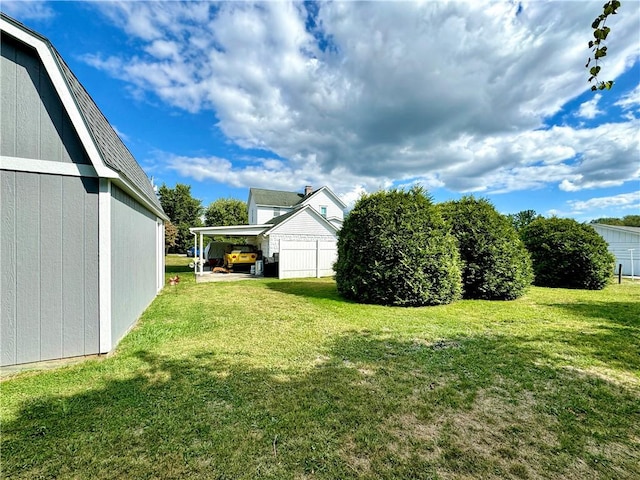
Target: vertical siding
7, 99
48, 286
34, 123
300, 259
133, 261
51, 279
8, 270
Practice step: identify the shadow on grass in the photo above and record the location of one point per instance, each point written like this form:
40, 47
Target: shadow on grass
614, 337
308, 288
370, 407
178, 269
623, 313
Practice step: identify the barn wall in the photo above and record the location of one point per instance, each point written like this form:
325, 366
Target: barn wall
48, 267
133, 261
34, 122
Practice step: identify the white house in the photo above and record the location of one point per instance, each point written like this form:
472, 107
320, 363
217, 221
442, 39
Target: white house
624, 244
263, 205
298, 231
81, 229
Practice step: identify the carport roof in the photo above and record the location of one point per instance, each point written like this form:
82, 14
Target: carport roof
232, 231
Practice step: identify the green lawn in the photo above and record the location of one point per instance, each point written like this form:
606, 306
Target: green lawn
284, 379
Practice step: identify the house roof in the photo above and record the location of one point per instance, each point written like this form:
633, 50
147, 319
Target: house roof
329, 192
282, 218
264, 229
277, 221
276, 198
623, 228
114, 154
280, 198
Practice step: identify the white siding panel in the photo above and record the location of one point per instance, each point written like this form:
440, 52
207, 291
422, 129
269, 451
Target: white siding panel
620, 243
302, 259
322, 199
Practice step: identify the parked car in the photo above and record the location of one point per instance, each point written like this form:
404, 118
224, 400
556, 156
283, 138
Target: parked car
245, 255
193, 252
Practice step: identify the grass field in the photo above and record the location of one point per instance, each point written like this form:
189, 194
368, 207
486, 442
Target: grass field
284, 379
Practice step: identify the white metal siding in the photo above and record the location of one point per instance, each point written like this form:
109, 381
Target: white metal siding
620, 242
300, 259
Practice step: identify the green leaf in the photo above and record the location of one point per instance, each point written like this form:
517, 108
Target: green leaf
595, 70
596, 22
608, 84
600, 52
593, 89
590, 43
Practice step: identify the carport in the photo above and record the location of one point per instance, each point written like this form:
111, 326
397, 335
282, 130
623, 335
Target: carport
238, 231
301, 243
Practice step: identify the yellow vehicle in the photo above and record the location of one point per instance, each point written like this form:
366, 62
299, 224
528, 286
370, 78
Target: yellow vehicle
241, 255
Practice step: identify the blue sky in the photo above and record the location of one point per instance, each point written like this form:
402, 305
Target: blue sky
489, 98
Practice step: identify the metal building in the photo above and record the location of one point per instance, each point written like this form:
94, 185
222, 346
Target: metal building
81, 229
624, 243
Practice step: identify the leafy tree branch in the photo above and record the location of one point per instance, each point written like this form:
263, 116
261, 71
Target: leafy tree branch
600, 33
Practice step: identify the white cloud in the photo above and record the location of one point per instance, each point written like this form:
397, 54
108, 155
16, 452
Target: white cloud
453, 94
28, 9
630, 100
624, 201
589, 109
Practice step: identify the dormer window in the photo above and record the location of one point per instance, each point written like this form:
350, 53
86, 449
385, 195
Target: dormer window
323, 211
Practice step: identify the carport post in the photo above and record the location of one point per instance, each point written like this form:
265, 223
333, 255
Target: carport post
201, 263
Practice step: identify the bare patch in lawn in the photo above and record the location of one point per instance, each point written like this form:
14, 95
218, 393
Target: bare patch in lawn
494, 438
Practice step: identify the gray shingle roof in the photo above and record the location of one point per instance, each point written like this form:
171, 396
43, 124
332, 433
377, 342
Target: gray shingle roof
113, 152
281, 218
110, 147
276, 198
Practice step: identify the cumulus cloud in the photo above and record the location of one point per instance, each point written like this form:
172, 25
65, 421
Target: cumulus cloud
589, 109
624, 201
630, 100
451, 94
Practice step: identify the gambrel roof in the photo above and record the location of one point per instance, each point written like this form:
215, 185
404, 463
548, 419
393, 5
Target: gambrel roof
112, 152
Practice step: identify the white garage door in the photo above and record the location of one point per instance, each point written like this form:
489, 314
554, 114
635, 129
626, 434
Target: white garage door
307, 259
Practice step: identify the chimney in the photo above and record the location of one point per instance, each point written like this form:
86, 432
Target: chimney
308, 190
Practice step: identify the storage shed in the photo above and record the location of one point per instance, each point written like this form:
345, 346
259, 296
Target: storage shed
624, 244
81, 229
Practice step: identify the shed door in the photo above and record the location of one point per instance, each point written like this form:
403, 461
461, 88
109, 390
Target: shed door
301, 259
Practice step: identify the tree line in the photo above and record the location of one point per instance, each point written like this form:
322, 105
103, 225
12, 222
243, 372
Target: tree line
185, 212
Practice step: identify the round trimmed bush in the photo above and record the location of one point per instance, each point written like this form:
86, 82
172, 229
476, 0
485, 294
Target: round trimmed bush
496, 264
395, 249
568, 254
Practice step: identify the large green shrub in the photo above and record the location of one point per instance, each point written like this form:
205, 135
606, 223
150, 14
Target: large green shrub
567, 254
496, 265
395, 249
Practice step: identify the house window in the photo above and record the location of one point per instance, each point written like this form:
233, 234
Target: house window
323, 211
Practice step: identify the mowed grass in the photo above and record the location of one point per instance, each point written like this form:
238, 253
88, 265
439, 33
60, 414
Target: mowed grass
284, 379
